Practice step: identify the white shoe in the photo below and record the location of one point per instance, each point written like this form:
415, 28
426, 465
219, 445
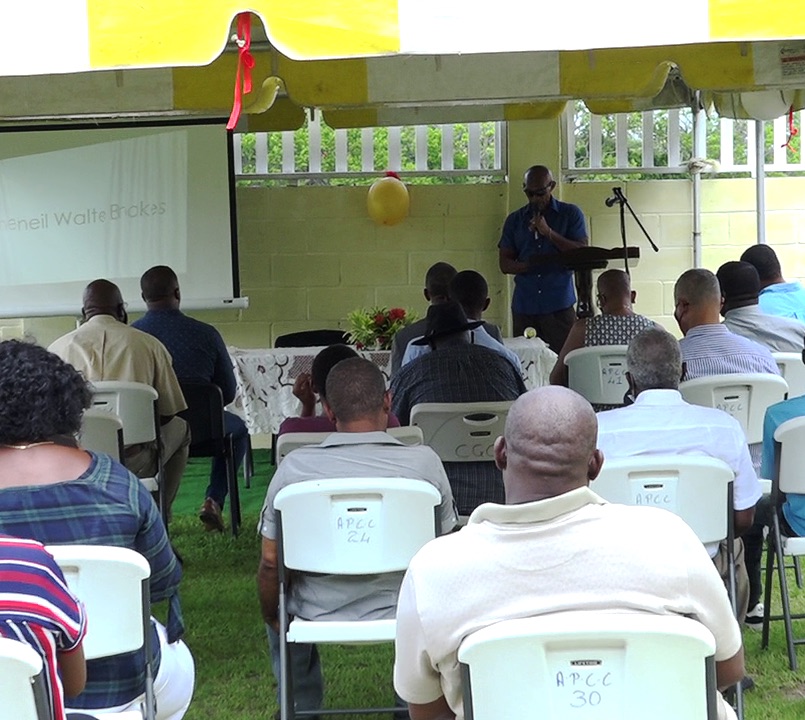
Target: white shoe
754, 618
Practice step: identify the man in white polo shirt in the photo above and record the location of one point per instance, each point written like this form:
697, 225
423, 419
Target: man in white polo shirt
661, 422
553, 546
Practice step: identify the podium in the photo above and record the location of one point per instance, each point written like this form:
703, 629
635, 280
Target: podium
582, 261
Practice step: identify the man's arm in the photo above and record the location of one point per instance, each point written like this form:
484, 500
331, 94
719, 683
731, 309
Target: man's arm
728, 672
575, 340
73, 670
436, 710
223, 374
561, 242
268, 583
509, 264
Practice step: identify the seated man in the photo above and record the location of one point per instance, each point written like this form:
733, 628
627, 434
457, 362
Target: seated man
470, 290
661, 422
552, 547
709, 348
308, 385
457, 371
358, 403
777, 297
199, 355
617, 324
792, 517
106, 348
740, 288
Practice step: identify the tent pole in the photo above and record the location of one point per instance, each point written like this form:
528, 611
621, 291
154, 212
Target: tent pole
699, 151
760, 179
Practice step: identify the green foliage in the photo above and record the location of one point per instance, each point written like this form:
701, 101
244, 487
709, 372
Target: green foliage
377, 326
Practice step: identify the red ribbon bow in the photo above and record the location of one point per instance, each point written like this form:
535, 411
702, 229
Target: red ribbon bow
792, 131
245, 65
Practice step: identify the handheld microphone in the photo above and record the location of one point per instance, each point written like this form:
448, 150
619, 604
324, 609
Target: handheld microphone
617, 196
609, 202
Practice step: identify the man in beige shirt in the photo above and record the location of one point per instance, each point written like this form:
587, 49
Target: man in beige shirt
104, 347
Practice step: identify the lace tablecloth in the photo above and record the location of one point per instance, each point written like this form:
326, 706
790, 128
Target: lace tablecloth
265, 377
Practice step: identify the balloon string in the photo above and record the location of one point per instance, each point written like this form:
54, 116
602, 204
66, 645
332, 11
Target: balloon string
792, 131
245, 65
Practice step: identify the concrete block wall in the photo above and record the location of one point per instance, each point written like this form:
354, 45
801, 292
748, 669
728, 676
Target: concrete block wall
310, 255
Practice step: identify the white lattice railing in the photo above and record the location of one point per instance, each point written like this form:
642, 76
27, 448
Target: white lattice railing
318, 152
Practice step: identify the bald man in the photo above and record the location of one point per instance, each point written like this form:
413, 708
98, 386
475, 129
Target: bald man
617, 324
104, 347
544, 227
552, 547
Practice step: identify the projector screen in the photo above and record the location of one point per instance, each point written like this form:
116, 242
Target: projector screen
79, 203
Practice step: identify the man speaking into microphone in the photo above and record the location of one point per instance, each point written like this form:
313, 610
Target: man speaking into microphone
543, 291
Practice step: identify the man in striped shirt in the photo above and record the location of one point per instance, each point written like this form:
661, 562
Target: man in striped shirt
37, 608
709, 348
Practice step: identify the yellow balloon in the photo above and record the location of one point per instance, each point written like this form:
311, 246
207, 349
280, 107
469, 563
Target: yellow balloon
388, 201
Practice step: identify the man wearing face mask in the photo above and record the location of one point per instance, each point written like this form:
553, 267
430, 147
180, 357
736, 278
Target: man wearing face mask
104, 347
543, 291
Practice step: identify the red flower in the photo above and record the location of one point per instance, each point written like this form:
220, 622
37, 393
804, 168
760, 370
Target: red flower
380, 318
396, 314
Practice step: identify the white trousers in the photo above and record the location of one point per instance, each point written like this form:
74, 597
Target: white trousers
173, 685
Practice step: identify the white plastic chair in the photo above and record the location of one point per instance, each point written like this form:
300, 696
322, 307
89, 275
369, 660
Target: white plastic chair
789, 478
353, 526
744, 396
136, 406
598, 373
22, 691
697, 488
112, 582
598, 665
102, 432
462, 432
792, 368
288, 442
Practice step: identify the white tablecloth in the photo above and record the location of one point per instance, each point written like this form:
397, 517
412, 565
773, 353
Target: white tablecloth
265, 377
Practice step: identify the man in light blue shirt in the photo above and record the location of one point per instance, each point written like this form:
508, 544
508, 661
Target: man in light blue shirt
470, 290
777, 297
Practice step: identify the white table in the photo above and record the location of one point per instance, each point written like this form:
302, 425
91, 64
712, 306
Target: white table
265, 377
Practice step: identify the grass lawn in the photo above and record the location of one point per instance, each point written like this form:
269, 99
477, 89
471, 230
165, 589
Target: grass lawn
226, 635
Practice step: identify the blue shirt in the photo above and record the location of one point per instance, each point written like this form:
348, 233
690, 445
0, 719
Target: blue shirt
546, 288
784, 299
776, 415
106, 505
712, 349
198, 350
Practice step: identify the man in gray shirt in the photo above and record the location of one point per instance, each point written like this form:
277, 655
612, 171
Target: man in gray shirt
740, 290
358, 403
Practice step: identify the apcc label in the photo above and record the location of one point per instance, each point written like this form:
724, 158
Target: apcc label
613, 374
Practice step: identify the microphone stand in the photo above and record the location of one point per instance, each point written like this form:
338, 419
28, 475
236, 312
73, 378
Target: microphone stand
623, 203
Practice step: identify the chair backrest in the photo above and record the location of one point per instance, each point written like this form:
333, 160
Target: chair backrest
598, 373
135, 405
462, 432
695, 487
205, 416
792, 368
288, 442
112, 582
22, 691
596, 665
791, 436
101, 431
355, 526
745, 396
312, 338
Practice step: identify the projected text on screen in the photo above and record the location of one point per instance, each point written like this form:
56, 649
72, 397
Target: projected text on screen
103, 209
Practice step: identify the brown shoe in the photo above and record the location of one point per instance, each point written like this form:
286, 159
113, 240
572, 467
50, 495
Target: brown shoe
210, 515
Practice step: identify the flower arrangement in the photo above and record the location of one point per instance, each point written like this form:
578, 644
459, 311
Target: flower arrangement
375, 328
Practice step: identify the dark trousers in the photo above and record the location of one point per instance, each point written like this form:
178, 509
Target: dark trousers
552, 328
218, 487
753, 546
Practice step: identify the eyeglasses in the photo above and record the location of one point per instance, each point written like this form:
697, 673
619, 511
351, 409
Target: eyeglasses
541, 192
